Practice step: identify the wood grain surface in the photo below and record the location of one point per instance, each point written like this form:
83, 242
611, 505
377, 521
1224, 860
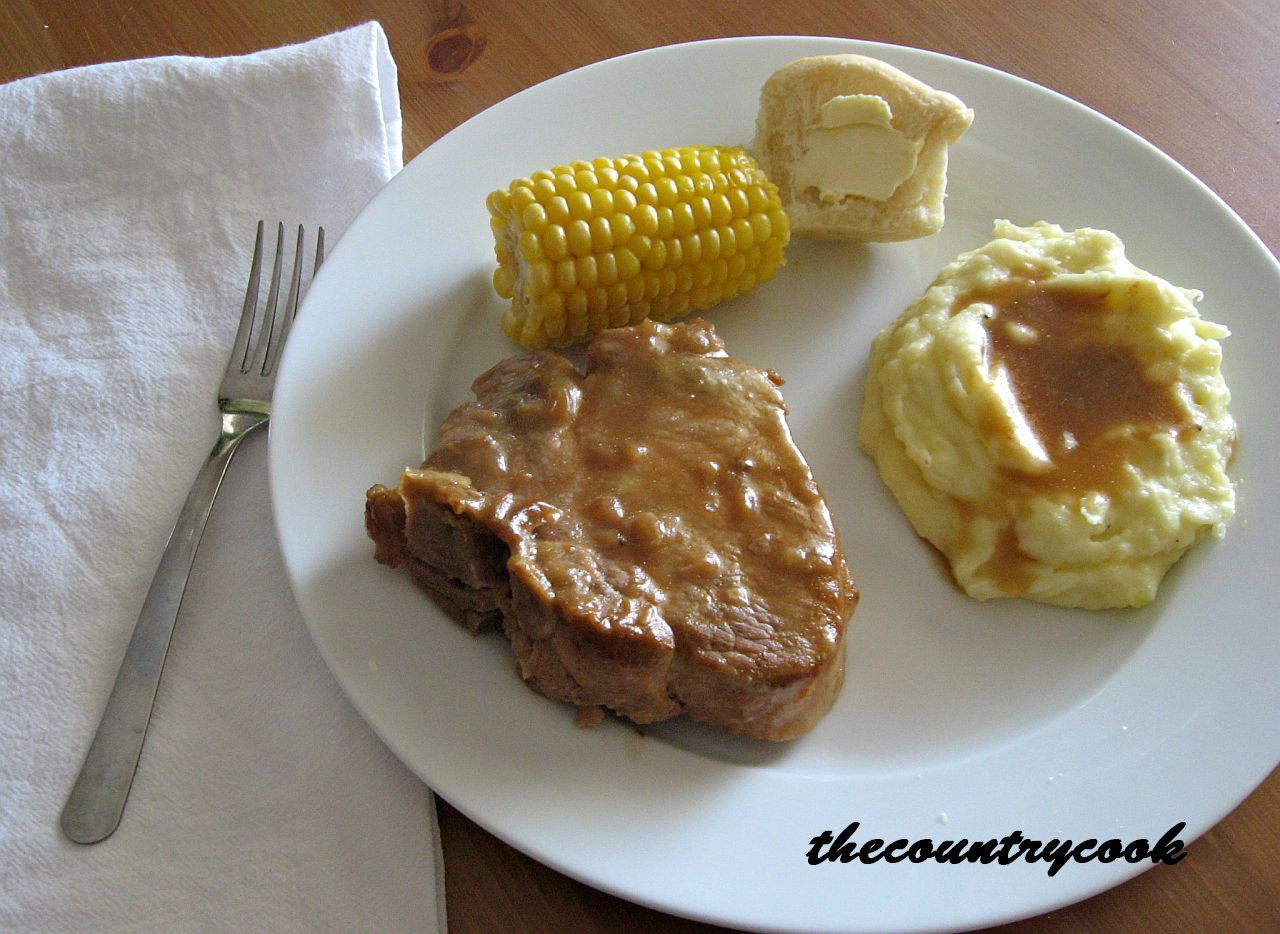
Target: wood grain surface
1198, 78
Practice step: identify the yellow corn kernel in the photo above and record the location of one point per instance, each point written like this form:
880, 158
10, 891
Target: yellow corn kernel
504, 281
728, 240
601, 202
543, 190
534, 218
553, 316
521, 197
609, 242
666, 222
675, 254
633, 169
578, 237
618, 296
555, 243
710, 237
646, 219
575, 305
558, 210
579, 205
721, 209
498, 202
606, 268
668, 191
588, 274
533, 331
622, 226
761, 228
540, 280
656, 258
597, 300
602, 235
682, 218
635, 289
530, 248
624, 202
628, 265
640, 247
566, 275
669, 280
652, 284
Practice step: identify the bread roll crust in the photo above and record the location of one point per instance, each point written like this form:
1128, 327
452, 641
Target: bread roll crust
789, 107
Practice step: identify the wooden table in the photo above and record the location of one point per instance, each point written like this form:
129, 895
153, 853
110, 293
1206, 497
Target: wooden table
1199, 78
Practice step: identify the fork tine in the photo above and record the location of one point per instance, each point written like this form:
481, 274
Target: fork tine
285, 320
240, 349
266, 324
319, 251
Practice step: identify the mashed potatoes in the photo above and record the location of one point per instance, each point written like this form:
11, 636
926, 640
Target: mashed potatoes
1053, 419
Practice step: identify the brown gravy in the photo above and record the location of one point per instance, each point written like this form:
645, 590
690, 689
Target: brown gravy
1085, 394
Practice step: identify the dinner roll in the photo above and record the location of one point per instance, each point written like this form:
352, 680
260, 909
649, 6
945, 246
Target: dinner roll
857, 148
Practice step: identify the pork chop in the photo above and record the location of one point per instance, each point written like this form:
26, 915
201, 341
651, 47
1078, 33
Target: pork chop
646, 533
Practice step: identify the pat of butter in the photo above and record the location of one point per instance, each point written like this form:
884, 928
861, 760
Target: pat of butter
848, 109
855, 150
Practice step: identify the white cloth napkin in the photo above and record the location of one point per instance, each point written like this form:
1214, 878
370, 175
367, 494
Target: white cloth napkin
129, 193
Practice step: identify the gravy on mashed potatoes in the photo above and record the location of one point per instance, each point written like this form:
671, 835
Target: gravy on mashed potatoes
1053, 419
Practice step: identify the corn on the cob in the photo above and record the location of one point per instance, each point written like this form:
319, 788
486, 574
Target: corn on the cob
611, 242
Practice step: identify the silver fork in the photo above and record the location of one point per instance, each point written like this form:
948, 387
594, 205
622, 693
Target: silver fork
96, 803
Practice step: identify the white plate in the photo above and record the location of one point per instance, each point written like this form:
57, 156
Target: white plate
958, 719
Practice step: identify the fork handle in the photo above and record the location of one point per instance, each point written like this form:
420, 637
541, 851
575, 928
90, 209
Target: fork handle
96, 802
